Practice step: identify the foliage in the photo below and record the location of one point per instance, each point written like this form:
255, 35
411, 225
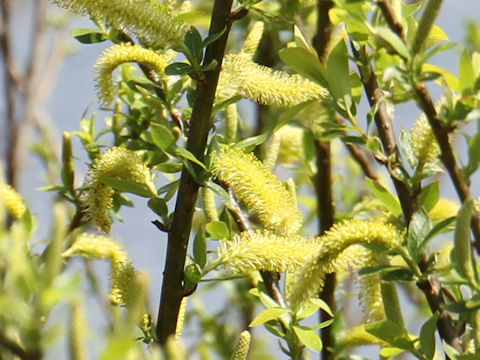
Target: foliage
177, 129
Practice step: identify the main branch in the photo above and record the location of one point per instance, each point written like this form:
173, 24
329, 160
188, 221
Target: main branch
200, 123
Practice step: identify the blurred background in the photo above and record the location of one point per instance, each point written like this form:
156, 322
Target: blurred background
47, 85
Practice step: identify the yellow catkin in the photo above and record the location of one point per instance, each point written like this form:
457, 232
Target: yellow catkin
78, 330
370, 296
152, 22
247, 252
124, 283
124, 277
209, 205
424, 143
181, 317
96, 247
242, 347
291, 143
119, 54
253, 39
231, 123
444, 209
118, 163
12, 200
334, 242
241, 76
259, 189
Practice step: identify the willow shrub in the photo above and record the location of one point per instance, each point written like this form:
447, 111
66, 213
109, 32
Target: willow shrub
177, 130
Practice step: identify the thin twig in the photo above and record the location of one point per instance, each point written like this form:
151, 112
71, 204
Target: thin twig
200, 123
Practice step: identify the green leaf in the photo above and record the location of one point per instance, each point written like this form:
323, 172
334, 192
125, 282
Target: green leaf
388, 352
193, 42
211, 38
128, 186
397, 274
251, 142
88, 36
473, 154
169, 168
162, 136
420, 226
466, 76
268, 315
200, 248
159, 206
222, 194
184, 153
427, 337
308, 337
218, 230
393, 40
178, 68
429, 196
338, 74
304, 63
387, 199
392, 333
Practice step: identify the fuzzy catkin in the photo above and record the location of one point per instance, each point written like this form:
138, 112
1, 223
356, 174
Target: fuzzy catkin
241, 76
258, 189
150, 21
12, 200
247, 252
334, 242
118, 163
119, 54
78, 332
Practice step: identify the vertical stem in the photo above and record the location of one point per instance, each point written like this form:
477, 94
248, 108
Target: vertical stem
323, 178
200, 123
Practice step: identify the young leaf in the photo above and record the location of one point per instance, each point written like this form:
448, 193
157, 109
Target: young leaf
338, 72
200, 248
88, 36
429, 196
466, 77
427, 337
268, 315
189, 156
419, 227
162, 136
211, 38
251, 141
391, 333
159, 206
308, 337
193, 42
304, 63
218, 230
387, 199
128, 186
178, 68
393, 40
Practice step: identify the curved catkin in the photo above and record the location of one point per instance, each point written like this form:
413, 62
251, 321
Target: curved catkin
119, 54
241, 76
150, 21
258, 189
335, 242
12, 201
247, 252
253, 39
118, 163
